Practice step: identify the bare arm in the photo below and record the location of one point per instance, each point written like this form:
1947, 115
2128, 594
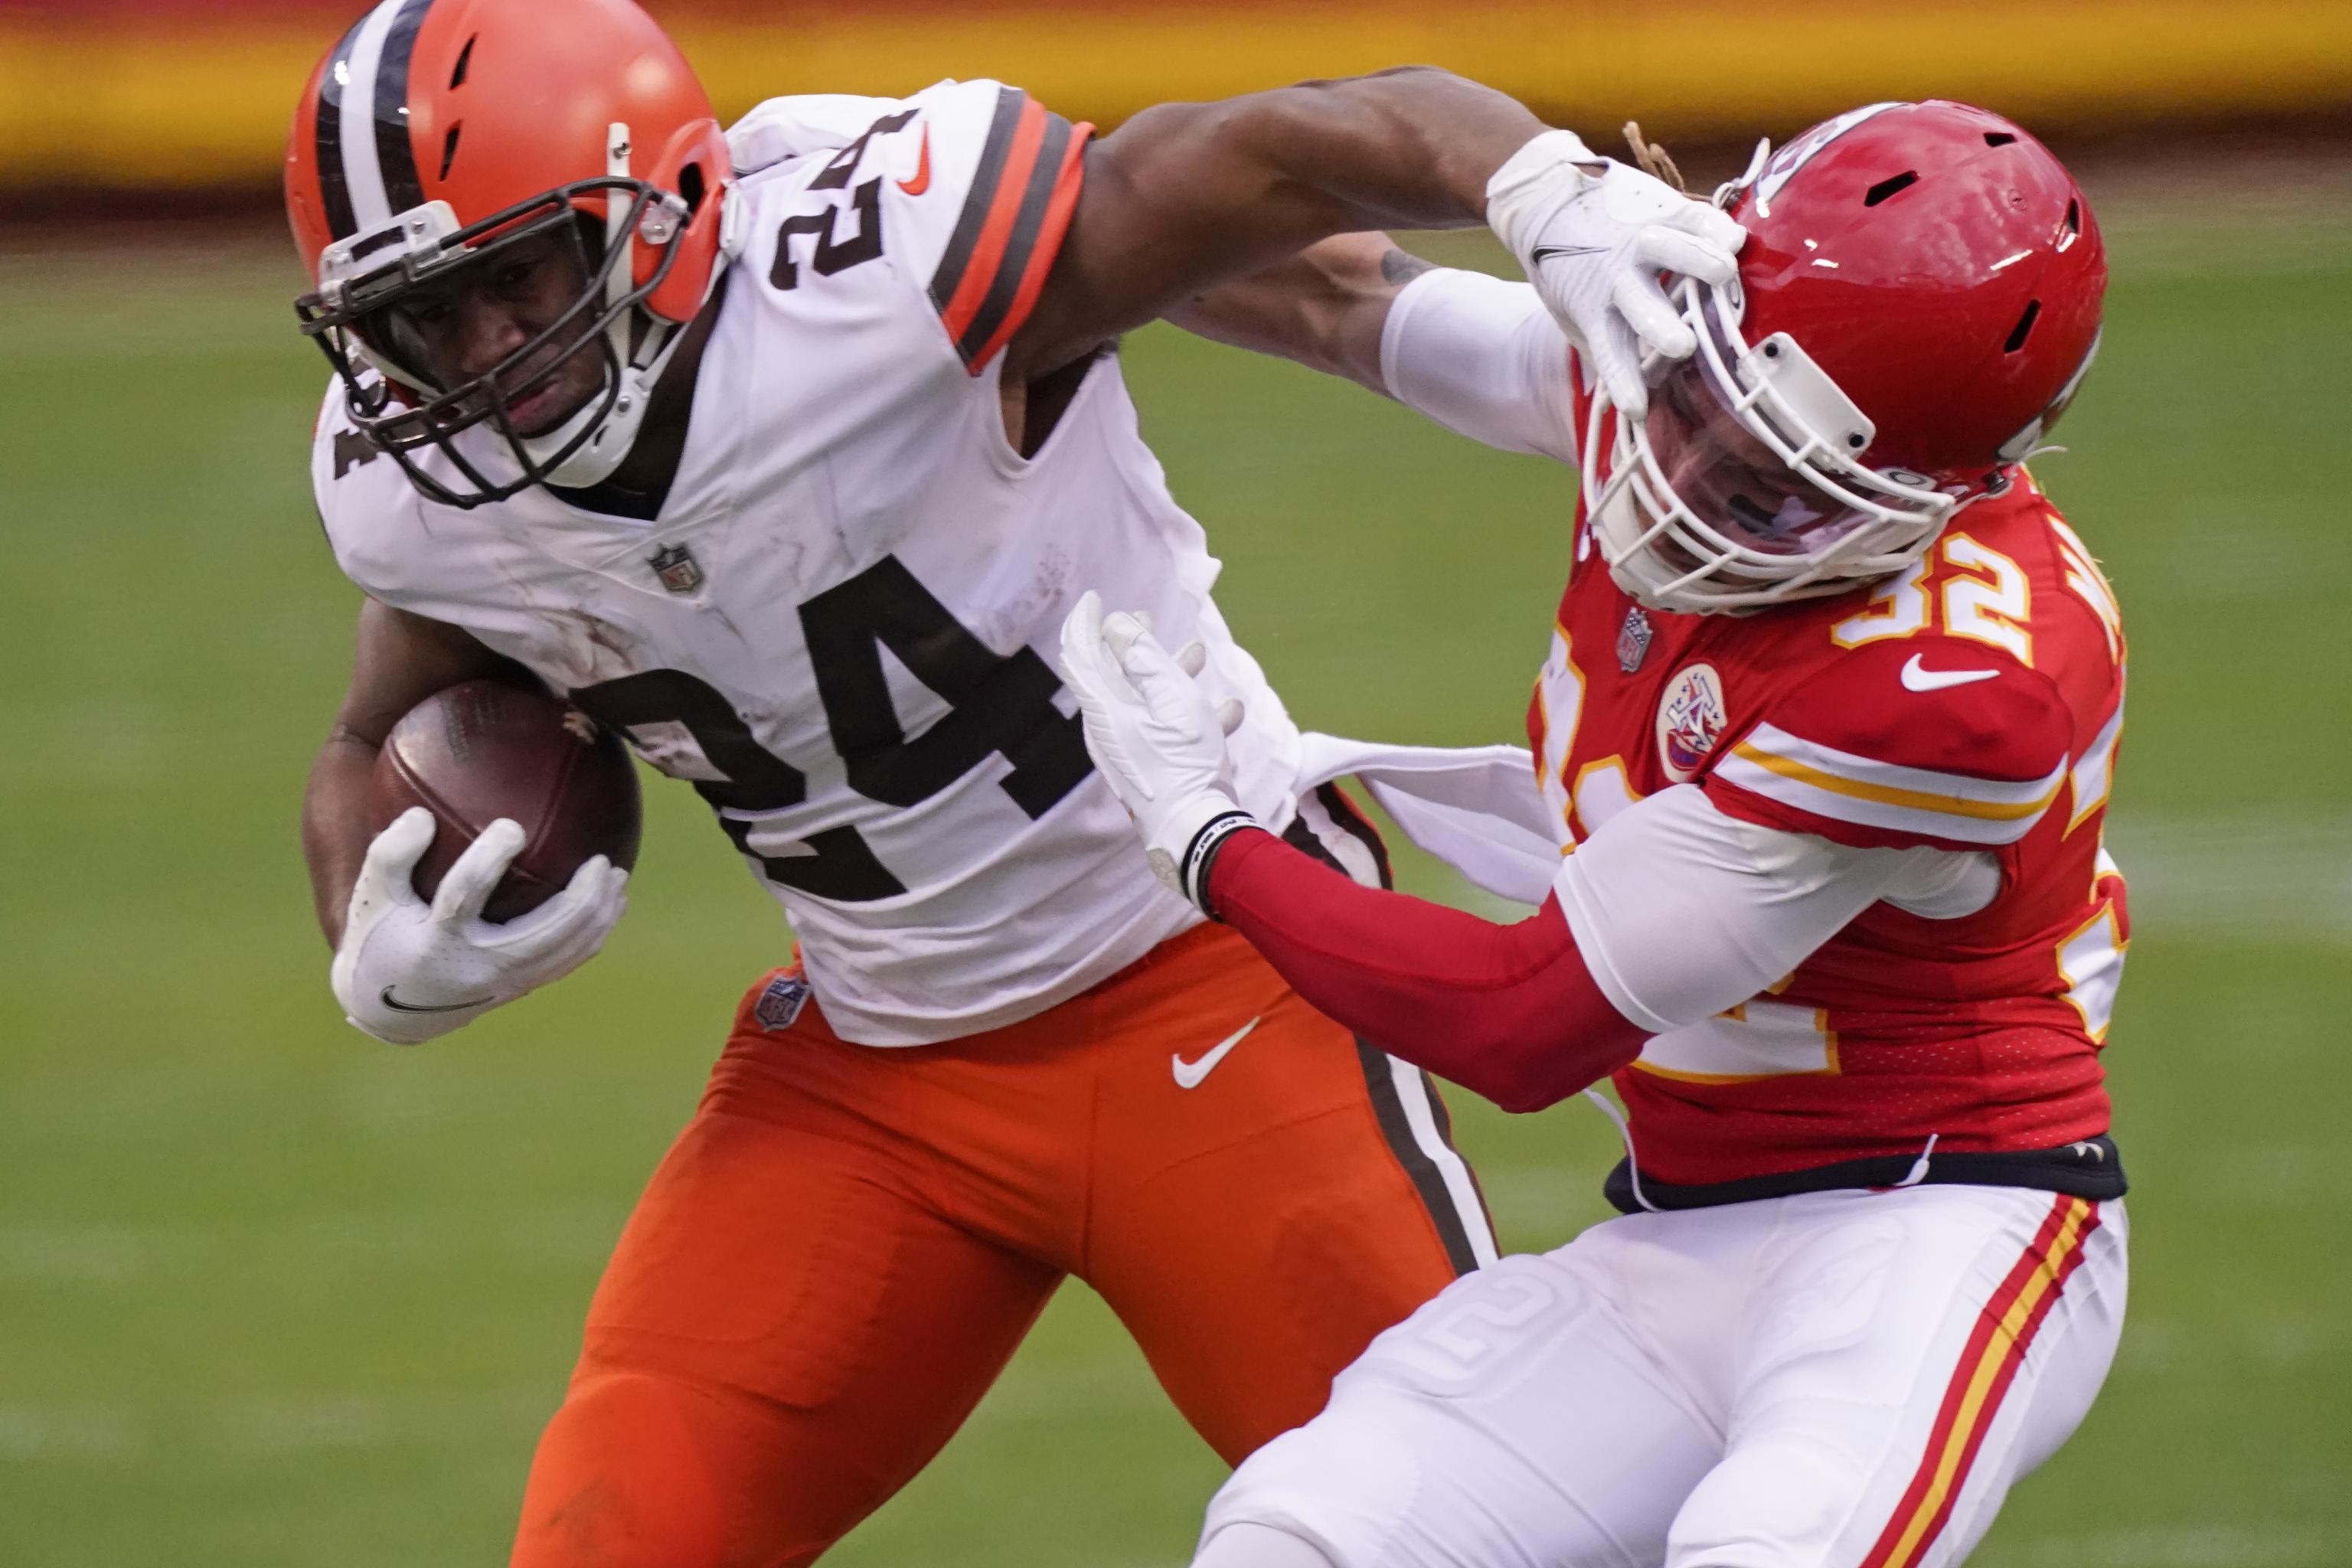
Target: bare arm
1190, 195
400, 660
1325, 306
1481, 356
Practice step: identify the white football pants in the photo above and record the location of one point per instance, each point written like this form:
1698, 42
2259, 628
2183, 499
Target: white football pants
1831, 1380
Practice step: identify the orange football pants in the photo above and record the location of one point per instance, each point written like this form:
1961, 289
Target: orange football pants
846, 1243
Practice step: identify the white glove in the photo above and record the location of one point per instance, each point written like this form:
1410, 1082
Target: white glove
1593, 245
1158, 739
407, 972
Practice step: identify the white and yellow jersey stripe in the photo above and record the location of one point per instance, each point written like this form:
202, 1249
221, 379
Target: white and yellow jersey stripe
1843, 787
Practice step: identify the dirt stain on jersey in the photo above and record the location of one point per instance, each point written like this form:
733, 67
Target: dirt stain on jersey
590, 648
1047, 593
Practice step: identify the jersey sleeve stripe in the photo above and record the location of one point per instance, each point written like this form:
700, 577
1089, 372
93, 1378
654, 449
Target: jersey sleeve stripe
1013, 220
1848, 828
956, 260
1045, 217
1868, 778
393, 154
1917, 800
997, 207
2092, 778
1957, 808
334, 185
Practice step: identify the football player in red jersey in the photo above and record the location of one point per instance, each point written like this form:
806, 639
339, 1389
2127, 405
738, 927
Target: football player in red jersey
696, 428
1825, 741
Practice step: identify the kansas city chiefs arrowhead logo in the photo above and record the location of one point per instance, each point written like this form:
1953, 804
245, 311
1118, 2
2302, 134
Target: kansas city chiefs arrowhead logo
1690, 718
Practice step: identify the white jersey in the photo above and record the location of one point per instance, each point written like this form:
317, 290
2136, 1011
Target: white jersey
842, 621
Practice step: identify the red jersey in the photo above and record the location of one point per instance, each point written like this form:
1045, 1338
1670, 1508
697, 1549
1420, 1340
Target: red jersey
1973, 704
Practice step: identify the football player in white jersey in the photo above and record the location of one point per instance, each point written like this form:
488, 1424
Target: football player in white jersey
785, 455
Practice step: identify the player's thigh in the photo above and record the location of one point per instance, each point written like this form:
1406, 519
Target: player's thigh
1883, 1425
1255, 1230
787, 1332
1513, 1422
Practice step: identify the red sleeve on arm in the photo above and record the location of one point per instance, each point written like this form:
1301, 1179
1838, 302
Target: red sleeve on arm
1507, 1012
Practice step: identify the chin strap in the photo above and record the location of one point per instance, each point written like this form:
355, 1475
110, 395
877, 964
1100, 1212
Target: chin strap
616, 428
642, 365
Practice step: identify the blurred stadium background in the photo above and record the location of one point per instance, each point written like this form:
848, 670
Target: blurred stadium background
270, 1295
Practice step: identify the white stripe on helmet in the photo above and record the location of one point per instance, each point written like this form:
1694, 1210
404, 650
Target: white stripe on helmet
362, 174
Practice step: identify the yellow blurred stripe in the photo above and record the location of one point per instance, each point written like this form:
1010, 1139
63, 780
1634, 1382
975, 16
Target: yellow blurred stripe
160, 106
176, 105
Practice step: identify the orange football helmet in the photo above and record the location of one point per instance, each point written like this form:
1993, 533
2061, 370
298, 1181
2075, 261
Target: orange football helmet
436, 132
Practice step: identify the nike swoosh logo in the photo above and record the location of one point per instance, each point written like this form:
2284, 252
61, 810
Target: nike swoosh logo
922, 180
1544, 252
1190, 1074
1917, 677
397, 1006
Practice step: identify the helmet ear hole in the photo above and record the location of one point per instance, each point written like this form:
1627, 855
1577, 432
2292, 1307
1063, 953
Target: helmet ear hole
693, 163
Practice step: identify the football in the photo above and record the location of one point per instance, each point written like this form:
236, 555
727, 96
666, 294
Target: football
482, 750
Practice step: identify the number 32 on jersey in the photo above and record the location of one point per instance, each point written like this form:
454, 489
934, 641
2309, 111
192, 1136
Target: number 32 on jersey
1987, 597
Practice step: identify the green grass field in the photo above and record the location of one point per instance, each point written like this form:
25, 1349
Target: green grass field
272, 1295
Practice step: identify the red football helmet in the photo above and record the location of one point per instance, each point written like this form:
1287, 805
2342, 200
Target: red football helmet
438, 133
1917, 301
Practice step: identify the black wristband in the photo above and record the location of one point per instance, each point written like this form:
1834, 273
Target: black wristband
1201, 854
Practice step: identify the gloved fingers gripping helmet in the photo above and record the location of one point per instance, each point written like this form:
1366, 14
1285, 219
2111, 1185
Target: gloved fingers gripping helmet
439, 136
1916, 303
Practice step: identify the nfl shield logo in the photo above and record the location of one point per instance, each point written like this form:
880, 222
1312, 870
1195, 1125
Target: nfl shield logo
1634, 640
780, 1003
676, 567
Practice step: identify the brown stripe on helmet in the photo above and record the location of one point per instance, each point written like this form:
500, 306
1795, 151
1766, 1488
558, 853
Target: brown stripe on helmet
395, 154
334, 186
